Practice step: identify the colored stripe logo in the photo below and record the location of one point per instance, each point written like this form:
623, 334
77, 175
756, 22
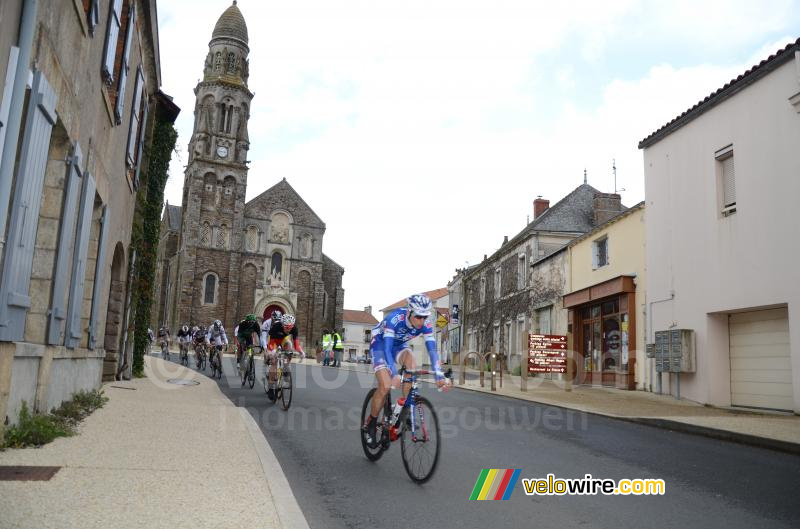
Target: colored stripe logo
495, 484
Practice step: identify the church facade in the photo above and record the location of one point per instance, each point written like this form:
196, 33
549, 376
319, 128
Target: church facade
220, 257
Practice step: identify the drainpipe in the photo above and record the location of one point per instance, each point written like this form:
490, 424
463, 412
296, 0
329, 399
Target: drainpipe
27, 28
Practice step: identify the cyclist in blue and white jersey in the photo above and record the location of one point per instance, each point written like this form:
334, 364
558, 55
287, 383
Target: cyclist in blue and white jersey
389, 347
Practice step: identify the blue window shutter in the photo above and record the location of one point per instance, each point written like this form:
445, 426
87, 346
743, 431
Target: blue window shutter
24, 215
112, 36
58, 308
142, 128
133, 130
94, 16
5, 97
123, 71
99, 268
73, 332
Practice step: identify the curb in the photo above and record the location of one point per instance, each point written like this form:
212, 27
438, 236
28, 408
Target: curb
289, 512
667, 424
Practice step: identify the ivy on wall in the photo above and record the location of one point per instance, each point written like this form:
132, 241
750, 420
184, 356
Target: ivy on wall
146, 226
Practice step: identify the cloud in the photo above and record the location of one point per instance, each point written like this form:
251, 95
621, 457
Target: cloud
420, 132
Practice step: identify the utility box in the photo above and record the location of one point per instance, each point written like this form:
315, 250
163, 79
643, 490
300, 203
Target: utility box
674, 351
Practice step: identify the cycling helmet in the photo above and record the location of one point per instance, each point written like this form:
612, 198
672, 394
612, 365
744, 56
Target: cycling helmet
287, 320
250, 317
185, 328
276, 315
420, 304
217, 324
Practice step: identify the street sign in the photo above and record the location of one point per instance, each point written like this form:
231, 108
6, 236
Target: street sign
547, 353
441, 321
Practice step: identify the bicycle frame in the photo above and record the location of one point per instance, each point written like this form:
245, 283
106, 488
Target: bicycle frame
410, 403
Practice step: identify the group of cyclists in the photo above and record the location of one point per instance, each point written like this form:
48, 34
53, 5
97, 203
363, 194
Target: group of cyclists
388, 347
279, 330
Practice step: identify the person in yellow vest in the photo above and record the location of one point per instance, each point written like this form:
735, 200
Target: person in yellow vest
327, 347
338, 349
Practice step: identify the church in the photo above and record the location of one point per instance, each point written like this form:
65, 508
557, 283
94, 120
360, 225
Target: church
220, 257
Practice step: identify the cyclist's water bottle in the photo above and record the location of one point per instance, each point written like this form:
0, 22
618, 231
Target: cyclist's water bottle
398, 407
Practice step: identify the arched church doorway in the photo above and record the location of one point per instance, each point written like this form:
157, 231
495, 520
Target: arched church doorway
271, 308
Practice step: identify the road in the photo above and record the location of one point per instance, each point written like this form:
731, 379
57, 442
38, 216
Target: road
709, 483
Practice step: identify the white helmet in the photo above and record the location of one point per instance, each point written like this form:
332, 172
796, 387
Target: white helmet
420, 304
287, 319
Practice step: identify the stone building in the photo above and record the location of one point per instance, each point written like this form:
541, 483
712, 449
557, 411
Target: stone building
73, 148
222, 258
519, 288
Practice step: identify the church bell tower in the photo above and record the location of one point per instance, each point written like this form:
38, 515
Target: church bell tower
216, 178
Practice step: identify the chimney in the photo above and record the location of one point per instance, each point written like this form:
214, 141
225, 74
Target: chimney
606, 206
540, 205
368, 309
505, 240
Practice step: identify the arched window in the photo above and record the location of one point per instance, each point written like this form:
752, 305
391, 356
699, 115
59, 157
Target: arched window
205, 234
277, 265
252, 239
222, 237
210, 289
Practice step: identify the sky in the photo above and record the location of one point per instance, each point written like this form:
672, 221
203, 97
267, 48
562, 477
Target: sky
420, 132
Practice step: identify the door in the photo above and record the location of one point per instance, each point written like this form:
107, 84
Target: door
761, 368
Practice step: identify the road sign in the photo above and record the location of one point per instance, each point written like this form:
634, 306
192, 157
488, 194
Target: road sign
547, 353
441, 321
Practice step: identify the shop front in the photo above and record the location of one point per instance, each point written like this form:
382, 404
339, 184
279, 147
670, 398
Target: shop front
602, 331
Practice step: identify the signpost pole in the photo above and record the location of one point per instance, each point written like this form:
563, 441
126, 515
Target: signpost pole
570, 358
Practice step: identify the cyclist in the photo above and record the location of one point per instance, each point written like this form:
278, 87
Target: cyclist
150, 339
199, 339
282, 332
163, 336
244, 334
215, 334
184, 338
389, 345
275, 316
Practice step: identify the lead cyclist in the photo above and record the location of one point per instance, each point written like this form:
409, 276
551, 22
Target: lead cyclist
389, 346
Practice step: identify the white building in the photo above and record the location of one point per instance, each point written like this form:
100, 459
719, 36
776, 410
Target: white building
722, 182
358, 325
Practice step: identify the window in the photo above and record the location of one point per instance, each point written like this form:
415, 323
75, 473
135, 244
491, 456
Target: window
205, 235
507, 345
522, 272
125, 65
726, 180
222, 237
136, 120
210, 289
497, 275
600, 253
277, 265
112, 36
483, 290
543, 319
252, 239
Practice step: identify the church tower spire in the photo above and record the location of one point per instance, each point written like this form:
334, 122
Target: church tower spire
216, 174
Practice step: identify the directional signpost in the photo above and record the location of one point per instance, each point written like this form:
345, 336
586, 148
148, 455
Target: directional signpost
547, 353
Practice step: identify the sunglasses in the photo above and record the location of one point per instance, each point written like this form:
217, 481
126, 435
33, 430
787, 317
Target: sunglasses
418, 317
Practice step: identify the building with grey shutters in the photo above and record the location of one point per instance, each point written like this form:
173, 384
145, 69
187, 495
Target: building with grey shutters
219, 256
72, 148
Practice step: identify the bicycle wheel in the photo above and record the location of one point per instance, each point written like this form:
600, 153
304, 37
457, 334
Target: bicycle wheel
251, 373
285, 383
420, 451
219, 365
373, 454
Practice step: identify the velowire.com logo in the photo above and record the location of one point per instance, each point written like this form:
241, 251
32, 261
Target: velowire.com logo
495, 484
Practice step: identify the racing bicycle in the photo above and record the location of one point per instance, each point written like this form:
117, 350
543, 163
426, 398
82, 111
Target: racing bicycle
413, 421
283, 383
215, 361
248, 370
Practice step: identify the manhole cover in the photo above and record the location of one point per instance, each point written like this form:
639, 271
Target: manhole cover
19, 473
183, 382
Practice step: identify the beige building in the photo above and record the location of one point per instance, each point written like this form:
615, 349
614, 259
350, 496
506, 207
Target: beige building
72, 153
721, 187
606, 274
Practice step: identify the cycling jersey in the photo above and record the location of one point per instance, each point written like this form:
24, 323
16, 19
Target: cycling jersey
213, 335
184, 336
278, 335
392, 335
246, 329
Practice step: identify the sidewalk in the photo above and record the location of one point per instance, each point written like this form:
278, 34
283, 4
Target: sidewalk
135, 463
768, 430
